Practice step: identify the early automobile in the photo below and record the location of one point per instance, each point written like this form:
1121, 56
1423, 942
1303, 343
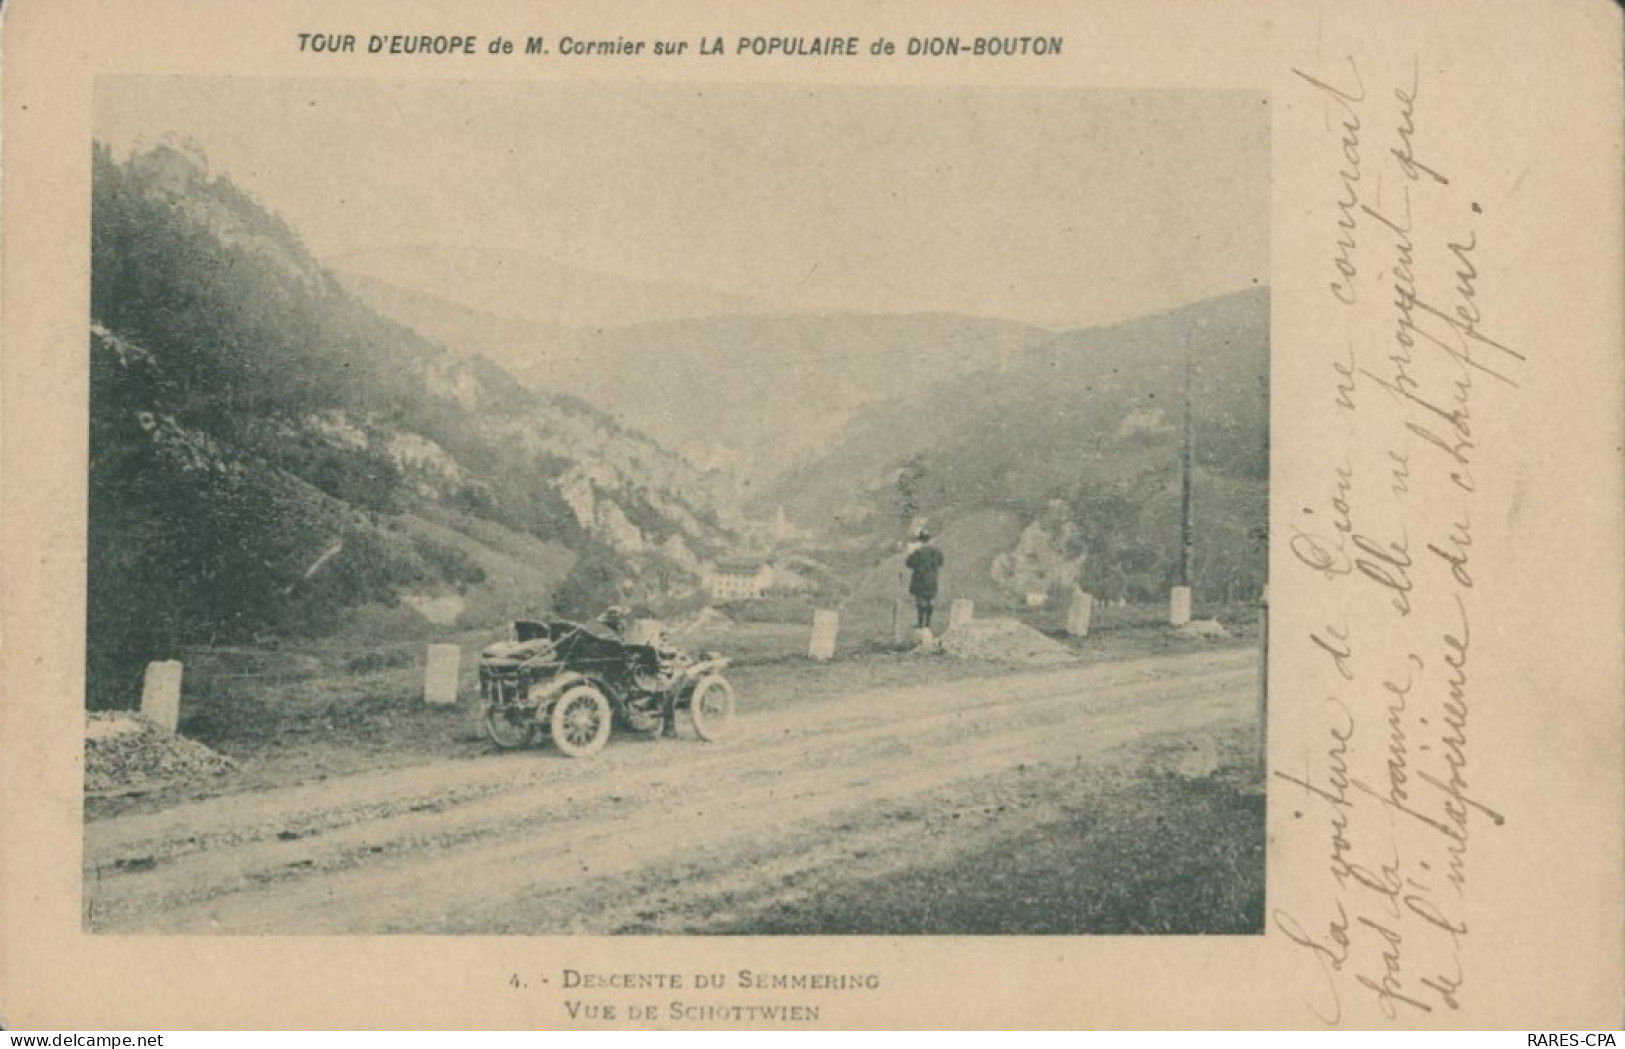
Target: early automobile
578, 679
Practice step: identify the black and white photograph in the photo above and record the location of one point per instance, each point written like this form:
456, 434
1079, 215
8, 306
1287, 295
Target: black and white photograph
771, 510
887, 516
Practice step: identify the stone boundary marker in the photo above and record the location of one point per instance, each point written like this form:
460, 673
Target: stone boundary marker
826, 624
961, 612
1179, 606
161, 694
440, 675
1081, 612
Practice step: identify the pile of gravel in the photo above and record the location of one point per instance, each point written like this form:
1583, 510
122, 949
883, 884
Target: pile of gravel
127, 753
1004, 641
1203, 630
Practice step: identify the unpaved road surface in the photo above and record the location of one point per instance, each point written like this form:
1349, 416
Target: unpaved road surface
655, 837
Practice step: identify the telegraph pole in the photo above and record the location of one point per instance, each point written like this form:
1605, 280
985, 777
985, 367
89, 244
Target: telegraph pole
1179, 602
1185, 540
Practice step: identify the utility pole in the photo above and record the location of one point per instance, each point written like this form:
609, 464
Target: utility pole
1179, 601
1185, 540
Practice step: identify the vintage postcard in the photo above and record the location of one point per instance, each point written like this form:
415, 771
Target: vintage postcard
886, 516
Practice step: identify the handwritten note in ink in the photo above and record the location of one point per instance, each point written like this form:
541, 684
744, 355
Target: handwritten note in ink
1391, 792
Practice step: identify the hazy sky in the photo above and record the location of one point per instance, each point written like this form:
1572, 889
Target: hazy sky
1056, 207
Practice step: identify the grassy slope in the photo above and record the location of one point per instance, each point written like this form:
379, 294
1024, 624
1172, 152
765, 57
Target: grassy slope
1018, 432
521, 571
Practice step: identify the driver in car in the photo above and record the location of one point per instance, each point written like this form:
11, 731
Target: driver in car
616, 621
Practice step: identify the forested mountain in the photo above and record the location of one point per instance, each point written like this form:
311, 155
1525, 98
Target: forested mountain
1080, 434
269, 455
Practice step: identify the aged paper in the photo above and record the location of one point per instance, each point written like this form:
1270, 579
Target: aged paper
1427, 203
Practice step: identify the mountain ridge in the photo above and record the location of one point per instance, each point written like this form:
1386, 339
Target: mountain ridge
532, 286
791, 380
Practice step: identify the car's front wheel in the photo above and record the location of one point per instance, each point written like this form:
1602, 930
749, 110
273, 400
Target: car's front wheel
581, 721
712, 707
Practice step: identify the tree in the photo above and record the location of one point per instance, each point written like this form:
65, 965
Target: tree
910, 479
593, 583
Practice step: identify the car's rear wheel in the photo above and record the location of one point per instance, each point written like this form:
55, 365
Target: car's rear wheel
581, 721
712, 707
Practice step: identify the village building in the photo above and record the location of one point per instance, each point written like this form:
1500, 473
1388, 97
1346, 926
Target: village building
739, 579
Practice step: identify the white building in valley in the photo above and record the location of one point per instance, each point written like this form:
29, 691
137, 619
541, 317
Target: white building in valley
738, 579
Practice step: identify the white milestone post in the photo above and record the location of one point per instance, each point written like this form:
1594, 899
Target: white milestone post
161, 694
440, 675
960, 613
1081, 612
826, 624
1179, 606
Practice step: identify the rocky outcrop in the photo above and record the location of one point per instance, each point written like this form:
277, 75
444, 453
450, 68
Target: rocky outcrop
1047, 556
621, 487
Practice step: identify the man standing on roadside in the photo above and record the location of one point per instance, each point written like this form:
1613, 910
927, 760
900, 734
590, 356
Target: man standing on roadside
923, 565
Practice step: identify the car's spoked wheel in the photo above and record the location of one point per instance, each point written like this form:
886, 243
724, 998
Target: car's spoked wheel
712, 708
581, 721
509, 727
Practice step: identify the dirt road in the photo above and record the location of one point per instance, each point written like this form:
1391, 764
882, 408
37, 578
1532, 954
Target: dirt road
652, 837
